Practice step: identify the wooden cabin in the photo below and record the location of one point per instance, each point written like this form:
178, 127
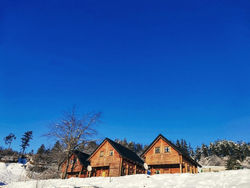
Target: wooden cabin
77, 165
162, 156
113, 159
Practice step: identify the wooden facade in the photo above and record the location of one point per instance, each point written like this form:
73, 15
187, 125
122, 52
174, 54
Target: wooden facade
112, 159
77, 165
162, 156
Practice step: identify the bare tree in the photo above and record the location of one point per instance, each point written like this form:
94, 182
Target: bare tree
72, 131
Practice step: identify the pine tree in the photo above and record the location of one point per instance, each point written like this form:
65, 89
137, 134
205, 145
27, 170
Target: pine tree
211, 149
190, 150
9, 139
41, 150
178, 143
90, 147
232, 164
25, 140
204, 150
184, 146
131, 146
138, 148
56, 154
197, 153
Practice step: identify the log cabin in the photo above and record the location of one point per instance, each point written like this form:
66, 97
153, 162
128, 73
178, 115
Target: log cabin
112, 159
77, 165
162, 156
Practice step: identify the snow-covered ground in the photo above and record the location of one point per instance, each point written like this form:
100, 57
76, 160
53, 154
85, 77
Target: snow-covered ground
10, 172
225, 179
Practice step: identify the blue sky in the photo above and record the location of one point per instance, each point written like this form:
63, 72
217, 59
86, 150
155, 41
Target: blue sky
180, 68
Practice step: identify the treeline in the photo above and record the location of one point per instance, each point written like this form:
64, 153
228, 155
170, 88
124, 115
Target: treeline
236, 152
44, 158
135, 147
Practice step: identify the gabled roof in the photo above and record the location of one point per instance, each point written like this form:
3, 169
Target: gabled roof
82, 157
122, 150
179, 150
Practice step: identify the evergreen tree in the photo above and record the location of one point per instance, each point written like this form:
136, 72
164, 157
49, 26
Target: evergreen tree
211, 149
197, 153
90, 147
190, 150
131, 146
25, 140
178, 143
204, 150
41, 150
232, 164
184, 146
138, 148
9, 139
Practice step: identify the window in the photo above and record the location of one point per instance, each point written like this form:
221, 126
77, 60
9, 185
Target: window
167, 149
157, 150
111, 153
101, 153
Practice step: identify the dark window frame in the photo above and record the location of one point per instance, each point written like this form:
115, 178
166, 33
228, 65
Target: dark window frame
168, 148
157, 150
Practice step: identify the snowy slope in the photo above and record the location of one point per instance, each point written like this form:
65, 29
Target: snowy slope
232, 179
10, 172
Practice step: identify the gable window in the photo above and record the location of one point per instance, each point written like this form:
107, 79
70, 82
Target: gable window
101, 153
157, 150
167, 149
111, 152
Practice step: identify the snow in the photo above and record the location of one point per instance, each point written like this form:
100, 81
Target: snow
225, 179
10, 172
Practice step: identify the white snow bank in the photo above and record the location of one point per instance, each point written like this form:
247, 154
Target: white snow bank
10, 172
237, 178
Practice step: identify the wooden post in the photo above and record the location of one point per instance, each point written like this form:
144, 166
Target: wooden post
135, 169
120, 167
186, 167
127, 169
180, 164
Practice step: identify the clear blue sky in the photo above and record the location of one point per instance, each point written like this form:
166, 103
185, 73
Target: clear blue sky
180, 68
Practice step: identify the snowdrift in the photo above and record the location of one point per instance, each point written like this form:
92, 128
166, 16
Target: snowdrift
225, 179
10, 172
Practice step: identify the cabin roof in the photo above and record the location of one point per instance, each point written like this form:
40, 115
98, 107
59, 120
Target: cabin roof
179, 150
123, 151
82, 157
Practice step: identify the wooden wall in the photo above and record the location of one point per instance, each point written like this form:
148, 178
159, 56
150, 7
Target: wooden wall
113, 162
130, 168
171, 158
75, 169
188, 167
152, 158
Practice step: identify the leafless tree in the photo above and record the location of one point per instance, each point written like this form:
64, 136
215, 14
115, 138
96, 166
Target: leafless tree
73, 131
